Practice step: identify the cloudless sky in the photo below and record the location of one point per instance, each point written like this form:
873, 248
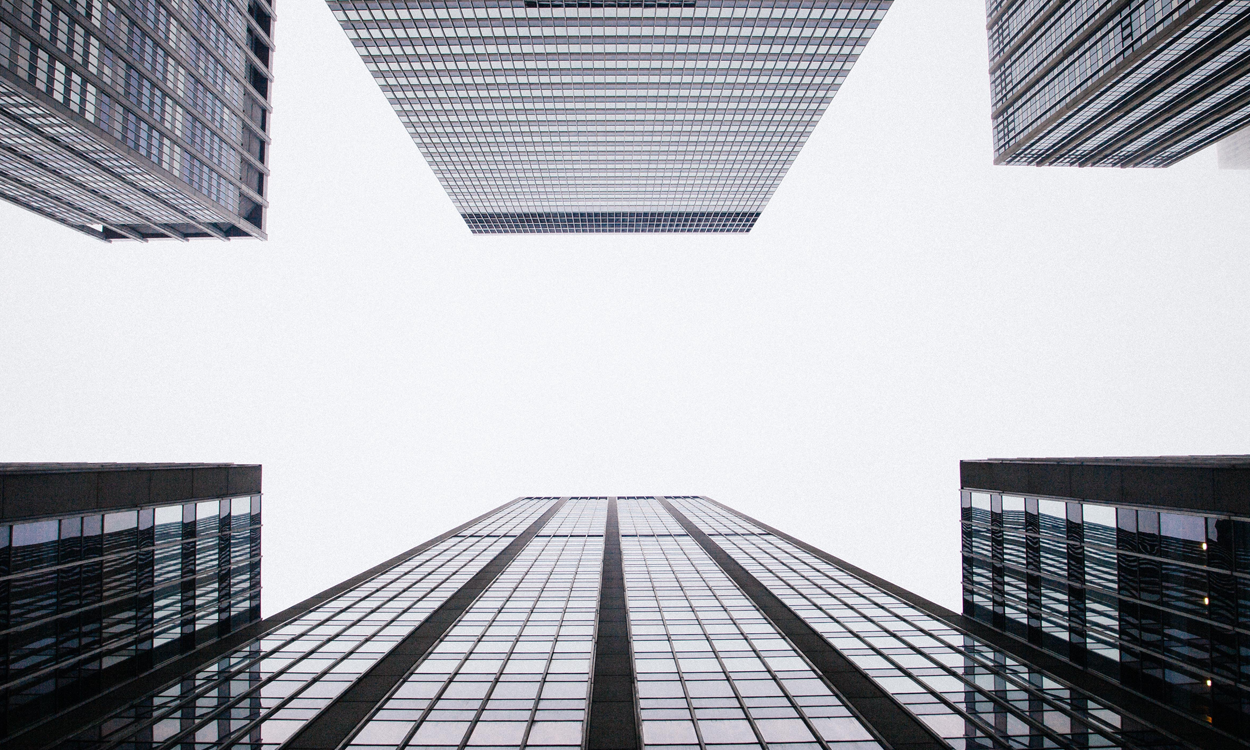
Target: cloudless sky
901, 304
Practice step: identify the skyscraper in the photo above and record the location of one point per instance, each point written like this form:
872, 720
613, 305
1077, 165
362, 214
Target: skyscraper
1131, 83
609, 115
621, 622
109, 569
1136, 568
137, 119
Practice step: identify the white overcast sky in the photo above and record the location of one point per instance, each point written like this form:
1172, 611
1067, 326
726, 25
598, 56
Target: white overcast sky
901, 304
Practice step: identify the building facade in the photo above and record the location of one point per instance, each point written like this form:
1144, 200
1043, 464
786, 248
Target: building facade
1138, 569
107, 570
609, 115
137, 119
1118, 83
621, 622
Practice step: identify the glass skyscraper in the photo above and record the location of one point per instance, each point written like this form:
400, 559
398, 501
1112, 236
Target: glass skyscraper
609, 115
137, 119
1120, 83
621, 622
1136, 568
109, 569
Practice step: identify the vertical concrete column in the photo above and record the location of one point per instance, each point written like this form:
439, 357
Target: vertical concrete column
613, 701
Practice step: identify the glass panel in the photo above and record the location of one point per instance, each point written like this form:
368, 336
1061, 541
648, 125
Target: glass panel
514, 670
265, 690
711, 668
965, 689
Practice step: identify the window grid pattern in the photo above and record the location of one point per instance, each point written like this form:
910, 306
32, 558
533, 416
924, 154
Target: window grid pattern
712, 671
607, 221
514, 671
969, 693
1194, 112
264, 691
36, 200
1061, 93
639, 516
1008, 30
1027, 99
1174, 113
117, 591
160, 87
1156, 600
609, 117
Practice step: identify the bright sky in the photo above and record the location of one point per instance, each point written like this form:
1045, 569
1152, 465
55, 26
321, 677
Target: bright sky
900, 305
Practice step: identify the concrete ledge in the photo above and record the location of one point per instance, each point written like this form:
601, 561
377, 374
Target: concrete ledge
30, 491
1206, 484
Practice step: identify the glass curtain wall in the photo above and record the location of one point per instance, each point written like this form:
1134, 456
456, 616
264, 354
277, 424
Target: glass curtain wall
610, 116
267, 689
712, 670
514, 671
969, 692
1134, 83
1157, 600
101, 594
714, 662
140, 118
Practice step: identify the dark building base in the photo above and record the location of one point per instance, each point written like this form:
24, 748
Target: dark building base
611, 222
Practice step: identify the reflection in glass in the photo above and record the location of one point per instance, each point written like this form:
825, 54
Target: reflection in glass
1153, 599
101, 597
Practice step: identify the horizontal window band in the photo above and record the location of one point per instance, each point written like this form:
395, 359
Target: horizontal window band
611, 221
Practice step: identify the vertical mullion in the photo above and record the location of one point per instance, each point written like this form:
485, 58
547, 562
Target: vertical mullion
897, 726
720, 661
613, 719
1002, 706
339, 720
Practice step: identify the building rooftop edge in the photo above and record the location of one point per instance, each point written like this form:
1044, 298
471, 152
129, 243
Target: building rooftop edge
50, 490
62, 467
1213, 461
1204, 484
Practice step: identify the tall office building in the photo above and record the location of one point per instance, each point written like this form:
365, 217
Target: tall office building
614, 623
609, 115
1117, 83
1136, 568
109, 569
137, 119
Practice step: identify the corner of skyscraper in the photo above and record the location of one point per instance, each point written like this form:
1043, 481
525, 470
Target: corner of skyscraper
1135, 570
569, 116
138, 119
1116, 83
109, 571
